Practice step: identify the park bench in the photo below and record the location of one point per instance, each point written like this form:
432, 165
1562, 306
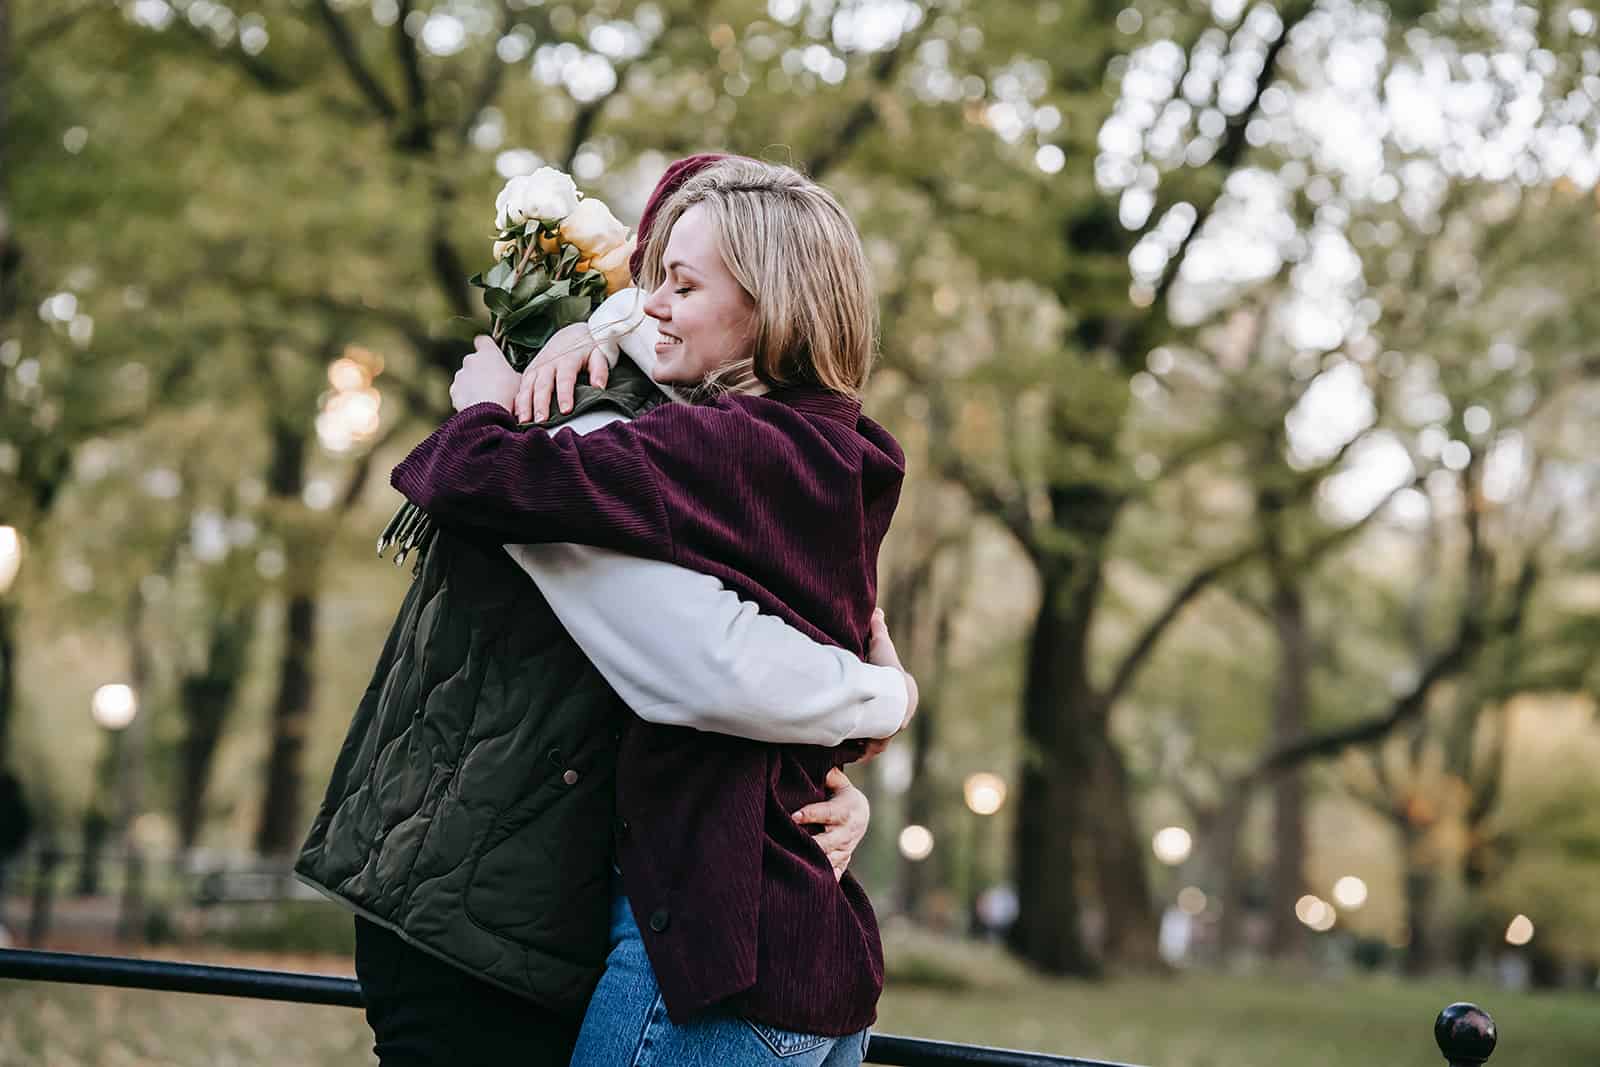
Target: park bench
1465, 1033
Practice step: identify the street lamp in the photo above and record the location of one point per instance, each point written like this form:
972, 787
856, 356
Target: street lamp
10, 556
916, 843
985, 794
114, 706
1172, 845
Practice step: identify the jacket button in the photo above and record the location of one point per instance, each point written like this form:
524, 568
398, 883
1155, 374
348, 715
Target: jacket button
659, 920
571, 777
620, 826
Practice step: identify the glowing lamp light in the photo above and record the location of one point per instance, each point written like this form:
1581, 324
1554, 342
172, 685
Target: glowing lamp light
1172, 845
346, 375
1520, 932
1350, 892
916, 843
114, 706
10, 556
1315, 913
985, 792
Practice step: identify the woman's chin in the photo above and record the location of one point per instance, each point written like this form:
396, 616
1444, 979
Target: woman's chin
665, 372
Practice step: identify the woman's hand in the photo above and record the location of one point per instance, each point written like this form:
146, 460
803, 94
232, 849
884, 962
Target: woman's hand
484, 377
554, 372
844, 816
881, 652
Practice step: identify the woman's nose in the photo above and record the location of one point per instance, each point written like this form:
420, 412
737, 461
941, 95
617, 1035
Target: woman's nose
655, 305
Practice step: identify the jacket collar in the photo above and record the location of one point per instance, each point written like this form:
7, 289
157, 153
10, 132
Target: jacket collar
815, 400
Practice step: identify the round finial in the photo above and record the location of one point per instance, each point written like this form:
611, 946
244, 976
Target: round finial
1465, 1034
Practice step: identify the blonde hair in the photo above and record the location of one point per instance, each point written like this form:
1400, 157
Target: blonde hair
792, 248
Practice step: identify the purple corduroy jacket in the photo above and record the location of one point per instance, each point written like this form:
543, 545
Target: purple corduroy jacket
786, 499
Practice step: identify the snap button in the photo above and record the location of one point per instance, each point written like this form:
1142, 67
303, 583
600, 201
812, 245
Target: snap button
659, 920
571, 777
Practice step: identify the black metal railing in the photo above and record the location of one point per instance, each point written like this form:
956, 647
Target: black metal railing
1465, 1033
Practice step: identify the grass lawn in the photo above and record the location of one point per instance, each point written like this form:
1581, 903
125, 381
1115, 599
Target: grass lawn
1193, 1021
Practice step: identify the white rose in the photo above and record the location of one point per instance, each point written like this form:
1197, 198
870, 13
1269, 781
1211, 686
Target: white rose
593, 229
502, 249
545, 194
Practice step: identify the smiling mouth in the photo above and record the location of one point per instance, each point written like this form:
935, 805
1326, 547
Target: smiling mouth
668, 339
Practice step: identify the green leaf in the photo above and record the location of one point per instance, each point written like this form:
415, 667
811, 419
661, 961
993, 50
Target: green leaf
569, 256
516, 313
533, 333
572, 309
499, 276
530, 285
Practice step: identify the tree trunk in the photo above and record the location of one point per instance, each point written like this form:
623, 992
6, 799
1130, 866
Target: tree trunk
280, 827
8, 673
1122, 875
1048, 930
205, 699
1421, 885
1227, 872
1286, 938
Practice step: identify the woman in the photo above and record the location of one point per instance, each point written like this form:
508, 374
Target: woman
469, 819
751, 952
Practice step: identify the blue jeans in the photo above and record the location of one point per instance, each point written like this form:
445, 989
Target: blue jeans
627, 1024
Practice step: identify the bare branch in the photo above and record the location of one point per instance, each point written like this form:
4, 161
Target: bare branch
588, 115
489, 80
35, 37
1147, 640
1231, 153
350, 53
861, 117
418, 134
1472, 634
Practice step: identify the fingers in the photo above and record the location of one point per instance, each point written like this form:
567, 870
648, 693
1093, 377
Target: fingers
566, 382
599, 369
822, 813
522, 406
873, 749
544, 385
837, 781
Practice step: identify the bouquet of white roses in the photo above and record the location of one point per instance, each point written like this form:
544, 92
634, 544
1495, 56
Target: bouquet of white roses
558, 255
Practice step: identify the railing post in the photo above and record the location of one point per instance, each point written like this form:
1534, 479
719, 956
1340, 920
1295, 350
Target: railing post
1465, 1034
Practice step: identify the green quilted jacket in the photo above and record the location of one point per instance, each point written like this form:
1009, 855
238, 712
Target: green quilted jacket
470, 810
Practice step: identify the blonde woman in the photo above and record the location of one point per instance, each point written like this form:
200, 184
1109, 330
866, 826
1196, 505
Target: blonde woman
732, 940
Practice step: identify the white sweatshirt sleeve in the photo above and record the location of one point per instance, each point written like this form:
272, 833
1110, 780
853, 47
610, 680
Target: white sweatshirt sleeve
620, 326
682, 649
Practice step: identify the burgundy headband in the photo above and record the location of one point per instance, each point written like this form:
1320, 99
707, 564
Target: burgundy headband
676, 175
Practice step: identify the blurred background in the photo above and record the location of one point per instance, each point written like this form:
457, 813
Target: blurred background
1245, 358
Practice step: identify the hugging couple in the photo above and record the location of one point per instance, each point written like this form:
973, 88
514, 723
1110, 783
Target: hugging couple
598, 817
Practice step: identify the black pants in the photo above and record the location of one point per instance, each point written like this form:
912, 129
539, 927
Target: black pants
423, 1011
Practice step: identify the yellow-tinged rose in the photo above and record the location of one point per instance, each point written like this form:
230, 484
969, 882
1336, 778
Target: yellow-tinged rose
580, 266
502, 249
592, 228
548, 243
614, 265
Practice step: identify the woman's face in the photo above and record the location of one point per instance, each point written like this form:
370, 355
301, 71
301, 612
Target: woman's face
703, 312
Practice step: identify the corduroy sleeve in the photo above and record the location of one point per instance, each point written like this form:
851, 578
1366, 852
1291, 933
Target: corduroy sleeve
480, 471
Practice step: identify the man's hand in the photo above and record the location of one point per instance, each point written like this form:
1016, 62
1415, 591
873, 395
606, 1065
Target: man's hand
881, 652
484, 377
554, 372
844, 816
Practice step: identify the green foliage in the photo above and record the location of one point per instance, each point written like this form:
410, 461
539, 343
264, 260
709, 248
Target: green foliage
295, 926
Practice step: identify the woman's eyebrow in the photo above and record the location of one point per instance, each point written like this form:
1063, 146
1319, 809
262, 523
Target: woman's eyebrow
679, 266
